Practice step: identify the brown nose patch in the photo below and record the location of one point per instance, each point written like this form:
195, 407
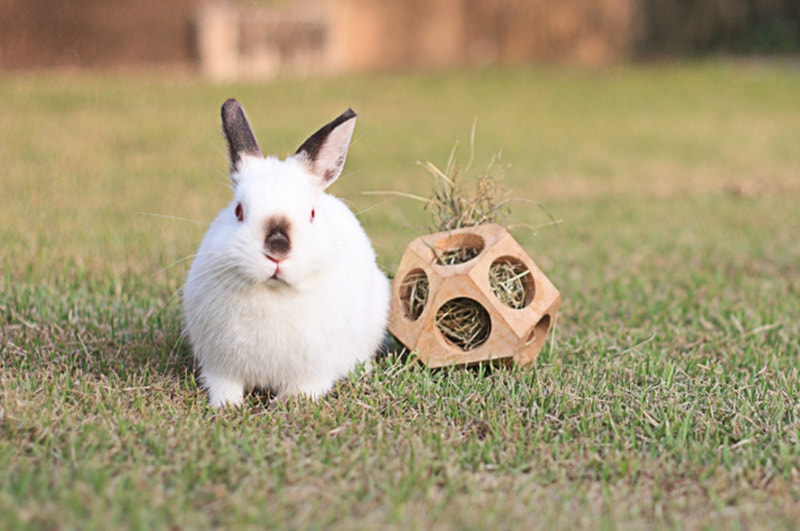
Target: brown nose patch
278, 241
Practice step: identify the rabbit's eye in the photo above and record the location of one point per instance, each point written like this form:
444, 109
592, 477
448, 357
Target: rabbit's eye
239, 212
313, 215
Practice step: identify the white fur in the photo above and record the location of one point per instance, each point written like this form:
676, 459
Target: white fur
298, 333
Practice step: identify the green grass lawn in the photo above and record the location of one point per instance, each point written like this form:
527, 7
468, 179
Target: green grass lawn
668, 395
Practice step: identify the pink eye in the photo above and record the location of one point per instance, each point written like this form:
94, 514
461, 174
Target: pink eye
313, 215
239, 212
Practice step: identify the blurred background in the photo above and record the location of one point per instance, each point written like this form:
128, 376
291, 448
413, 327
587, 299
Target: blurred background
111, 112
261, 39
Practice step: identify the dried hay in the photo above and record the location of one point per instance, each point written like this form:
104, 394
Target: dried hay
415, 294
464, 322
455, 206
456, 256
511, 282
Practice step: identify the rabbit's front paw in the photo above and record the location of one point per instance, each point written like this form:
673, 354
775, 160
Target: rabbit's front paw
223, 391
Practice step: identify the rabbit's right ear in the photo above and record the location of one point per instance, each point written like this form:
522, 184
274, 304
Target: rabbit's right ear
323, 153
240, 137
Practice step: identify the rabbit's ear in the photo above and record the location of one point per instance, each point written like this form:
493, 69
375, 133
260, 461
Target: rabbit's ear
324, 153
241, 141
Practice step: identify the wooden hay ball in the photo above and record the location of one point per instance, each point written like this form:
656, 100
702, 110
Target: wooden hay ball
470, 295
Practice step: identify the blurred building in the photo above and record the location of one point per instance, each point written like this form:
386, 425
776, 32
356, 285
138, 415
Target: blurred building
336, 36
94, 33
232, 39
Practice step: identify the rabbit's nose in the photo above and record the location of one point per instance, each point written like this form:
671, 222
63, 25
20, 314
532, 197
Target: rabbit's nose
278, 245
277, 242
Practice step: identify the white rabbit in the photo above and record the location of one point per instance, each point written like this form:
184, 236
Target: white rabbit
284, 292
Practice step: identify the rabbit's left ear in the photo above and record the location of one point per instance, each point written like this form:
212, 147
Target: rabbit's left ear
241, 140
324, 153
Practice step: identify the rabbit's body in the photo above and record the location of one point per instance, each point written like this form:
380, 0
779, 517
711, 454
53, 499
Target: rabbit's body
284, 292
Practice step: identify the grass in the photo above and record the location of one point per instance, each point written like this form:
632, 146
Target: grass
668, 396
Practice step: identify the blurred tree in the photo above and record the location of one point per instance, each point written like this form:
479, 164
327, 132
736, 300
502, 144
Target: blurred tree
701, 26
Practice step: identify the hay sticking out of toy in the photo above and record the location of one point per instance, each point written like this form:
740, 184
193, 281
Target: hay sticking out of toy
455, 206
511, 282
414, 293
464, 323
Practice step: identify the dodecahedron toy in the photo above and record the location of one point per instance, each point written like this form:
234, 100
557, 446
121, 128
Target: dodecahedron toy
471, 295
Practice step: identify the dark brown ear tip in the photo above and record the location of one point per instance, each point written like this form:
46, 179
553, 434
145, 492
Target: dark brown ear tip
348, 114
230, 107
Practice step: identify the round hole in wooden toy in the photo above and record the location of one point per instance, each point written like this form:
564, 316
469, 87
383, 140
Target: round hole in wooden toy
464, 323
458, 249
414, 294
512, 282
539, 330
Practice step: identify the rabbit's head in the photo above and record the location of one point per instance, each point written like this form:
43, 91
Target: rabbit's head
277, 228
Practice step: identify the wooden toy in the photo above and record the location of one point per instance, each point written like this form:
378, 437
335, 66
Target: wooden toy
471, 295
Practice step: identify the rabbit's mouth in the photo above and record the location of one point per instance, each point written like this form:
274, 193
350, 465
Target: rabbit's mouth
276, 275
276, 280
